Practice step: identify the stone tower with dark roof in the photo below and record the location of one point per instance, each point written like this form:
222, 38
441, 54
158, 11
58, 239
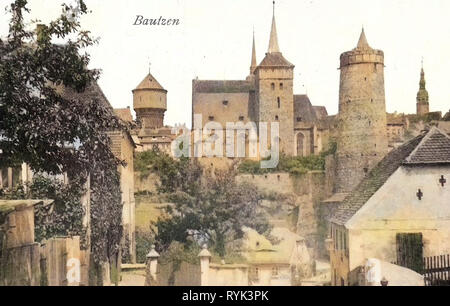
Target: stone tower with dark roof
423, 107
150, 103
362, 140
274, 90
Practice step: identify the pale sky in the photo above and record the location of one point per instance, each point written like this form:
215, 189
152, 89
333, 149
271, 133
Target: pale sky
213, 41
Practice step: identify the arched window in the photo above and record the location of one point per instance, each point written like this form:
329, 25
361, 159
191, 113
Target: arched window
281, 86
272, 86
276, 117
278, 102
300, 144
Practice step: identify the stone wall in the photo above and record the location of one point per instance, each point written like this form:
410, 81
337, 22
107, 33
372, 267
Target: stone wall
276, 103
307, 191
362, 140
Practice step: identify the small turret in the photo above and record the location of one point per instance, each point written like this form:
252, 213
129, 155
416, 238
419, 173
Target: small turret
150, 102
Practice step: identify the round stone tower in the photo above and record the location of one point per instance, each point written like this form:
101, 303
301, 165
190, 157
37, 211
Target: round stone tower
362, 140
150, 103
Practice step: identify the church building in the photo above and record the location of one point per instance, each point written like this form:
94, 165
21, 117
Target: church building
266, 95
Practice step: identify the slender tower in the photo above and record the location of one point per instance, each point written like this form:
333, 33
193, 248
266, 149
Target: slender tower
423, 107
362, 140
274, 89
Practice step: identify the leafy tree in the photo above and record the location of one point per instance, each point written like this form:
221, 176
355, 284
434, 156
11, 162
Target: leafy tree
211, 209
53, 132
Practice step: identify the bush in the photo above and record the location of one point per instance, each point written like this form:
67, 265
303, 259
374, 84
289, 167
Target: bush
144, 241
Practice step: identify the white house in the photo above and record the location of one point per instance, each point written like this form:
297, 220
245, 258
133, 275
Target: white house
399, 213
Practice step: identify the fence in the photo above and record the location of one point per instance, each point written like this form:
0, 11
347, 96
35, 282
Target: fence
436, 270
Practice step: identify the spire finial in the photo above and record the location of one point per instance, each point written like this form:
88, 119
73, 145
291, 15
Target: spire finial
149, 64
273, 42
422, 77
273, 8
253, 62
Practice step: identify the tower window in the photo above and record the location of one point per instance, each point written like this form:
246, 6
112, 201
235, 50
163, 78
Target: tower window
272, 86
278, 102
276, 117
225, 102
281, 86
211, 118
241, 118
299, 119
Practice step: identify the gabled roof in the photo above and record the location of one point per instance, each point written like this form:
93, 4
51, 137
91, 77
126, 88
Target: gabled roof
149, 82
430, 148
433, 149
373, 181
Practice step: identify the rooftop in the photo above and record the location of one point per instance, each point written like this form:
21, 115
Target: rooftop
225, 86
433, 147
149, 82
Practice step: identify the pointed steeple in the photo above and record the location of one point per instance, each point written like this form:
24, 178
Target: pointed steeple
422, 95
253, 63
273, 42
362, 42
422, 78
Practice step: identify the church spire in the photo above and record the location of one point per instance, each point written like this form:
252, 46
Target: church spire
253, 63
422, 95
273, 42
362, 42
422, 79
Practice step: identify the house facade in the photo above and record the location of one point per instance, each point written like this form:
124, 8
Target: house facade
399, 213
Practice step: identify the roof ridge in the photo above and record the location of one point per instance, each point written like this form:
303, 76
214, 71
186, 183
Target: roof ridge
433, 131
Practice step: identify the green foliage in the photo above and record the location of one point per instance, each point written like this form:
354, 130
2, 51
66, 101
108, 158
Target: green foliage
67, 215
427, 118
295, 165
211, 211
144, 241
57, 133
174, 174
208, 207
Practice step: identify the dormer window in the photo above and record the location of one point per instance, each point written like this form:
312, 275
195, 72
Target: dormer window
225, 102
272, 86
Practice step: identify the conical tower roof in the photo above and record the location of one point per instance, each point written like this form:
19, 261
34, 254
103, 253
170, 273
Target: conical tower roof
149, 82
273, 42
253, 62
362, 42
273, 57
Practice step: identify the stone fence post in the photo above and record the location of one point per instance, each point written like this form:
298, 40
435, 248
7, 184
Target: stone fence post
205, 256
152, 266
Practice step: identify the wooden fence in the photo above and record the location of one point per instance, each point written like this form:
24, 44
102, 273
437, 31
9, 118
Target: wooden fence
436, 270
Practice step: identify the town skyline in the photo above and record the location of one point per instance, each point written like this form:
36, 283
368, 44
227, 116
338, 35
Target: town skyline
222, 50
